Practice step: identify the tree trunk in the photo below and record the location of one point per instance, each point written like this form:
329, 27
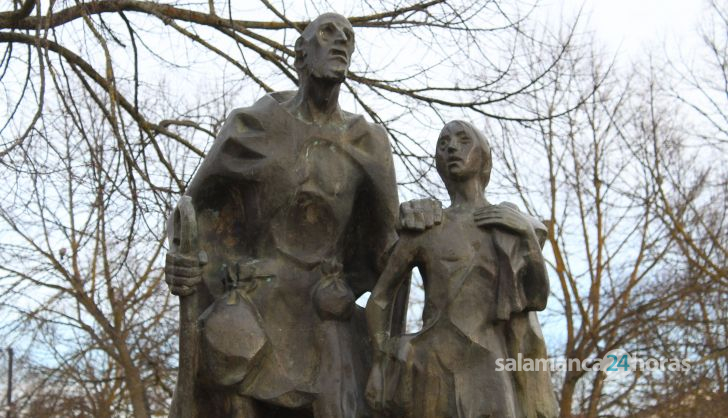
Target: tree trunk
134, 385
567, 396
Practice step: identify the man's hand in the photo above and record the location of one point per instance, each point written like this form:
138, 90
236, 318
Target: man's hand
182, 273
418, 215
506, 216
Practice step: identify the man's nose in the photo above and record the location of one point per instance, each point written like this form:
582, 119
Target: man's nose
340, 36
453, 146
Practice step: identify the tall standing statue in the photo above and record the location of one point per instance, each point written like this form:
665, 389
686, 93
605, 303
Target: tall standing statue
484, 276
287, 221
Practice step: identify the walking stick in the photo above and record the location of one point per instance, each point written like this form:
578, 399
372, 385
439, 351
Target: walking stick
182, 234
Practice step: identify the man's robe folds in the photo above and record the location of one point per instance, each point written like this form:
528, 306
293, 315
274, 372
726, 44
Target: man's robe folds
274, 199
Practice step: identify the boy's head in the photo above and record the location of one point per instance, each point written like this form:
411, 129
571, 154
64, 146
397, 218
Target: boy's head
463, 153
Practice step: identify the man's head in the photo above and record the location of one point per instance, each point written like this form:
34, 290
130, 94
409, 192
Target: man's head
325, 47
463, 153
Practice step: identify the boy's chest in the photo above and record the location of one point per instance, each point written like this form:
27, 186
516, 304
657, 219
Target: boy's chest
459, 245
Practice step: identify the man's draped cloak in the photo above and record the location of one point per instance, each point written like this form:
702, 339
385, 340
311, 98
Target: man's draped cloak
274, 197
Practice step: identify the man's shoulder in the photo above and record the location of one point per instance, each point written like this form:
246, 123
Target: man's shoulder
264, 104
367, 137
374, 129
256, 116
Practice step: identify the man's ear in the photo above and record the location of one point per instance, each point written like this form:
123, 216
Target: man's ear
300, 54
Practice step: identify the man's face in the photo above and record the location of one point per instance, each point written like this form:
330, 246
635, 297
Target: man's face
458, 156
328, 53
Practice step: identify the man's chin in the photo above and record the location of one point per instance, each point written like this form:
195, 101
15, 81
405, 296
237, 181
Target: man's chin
330, 76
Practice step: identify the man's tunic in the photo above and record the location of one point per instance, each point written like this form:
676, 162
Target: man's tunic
275, 197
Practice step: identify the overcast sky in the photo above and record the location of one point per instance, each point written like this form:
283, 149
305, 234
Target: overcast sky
631, 27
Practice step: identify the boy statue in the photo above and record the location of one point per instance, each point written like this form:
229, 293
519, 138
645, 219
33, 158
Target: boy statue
484, 277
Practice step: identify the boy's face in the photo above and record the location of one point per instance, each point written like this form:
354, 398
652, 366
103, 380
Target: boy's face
458, 157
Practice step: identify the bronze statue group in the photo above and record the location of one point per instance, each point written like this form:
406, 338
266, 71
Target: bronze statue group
294, 214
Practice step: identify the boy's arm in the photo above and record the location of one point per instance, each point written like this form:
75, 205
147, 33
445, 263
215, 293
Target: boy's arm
381, 301
532, 273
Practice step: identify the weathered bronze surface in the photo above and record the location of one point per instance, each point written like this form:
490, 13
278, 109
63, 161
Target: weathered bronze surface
484, 276
292, 212
291, 217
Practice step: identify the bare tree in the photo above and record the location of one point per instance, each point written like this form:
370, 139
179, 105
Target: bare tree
471, 62
81, 270
636, 209
687, 157
110, 106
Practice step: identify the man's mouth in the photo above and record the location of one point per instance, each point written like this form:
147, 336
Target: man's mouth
339, 54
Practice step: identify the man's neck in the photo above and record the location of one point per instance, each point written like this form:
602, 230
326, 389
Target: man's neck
317, 101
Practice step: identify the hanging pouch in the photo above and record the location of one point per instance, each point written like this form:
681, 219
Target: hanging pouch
232, 337
332, 296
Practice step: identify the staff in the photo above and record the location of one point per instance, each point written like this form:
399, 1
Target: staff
182, 234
